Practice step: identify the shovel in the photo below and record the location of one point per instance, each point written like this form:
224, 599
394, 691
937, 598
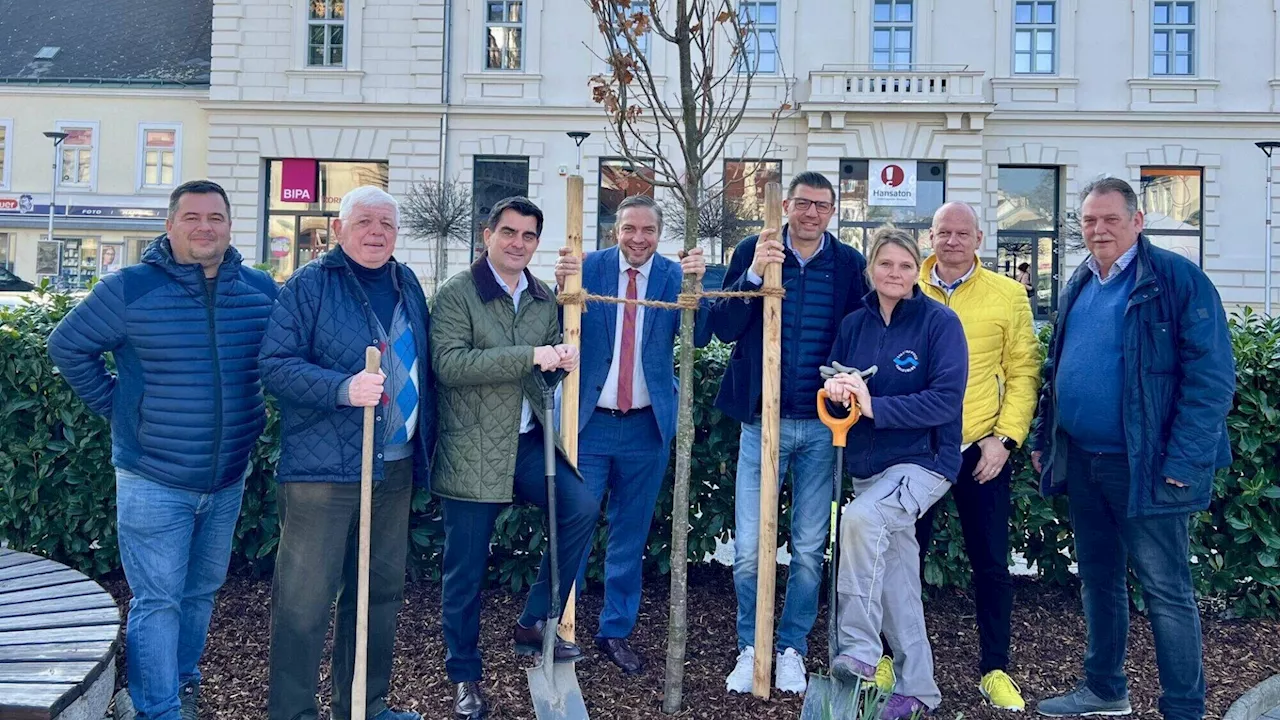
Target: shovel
826, 698
553, 686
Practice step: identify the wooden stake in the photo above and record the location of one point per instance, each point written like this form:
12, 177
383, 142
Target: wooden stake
372, 364
569, 387
770, 432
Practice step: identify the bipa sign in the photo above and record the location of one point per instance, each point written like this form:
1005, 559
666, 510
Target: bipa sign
300, 181
892, 183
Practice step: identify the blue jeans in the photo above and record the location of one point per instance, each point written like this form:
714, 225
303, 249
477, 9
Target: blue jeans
1158, 548
804, 448
174, 545
626, 456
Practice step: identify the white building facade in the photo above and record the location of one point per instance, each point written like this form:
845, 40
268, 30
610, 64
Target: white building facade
1009, 105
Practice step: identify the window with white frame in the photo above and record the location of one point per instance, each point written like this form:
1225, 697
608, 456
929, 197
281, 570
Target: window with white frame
760, 20
6, 251
892, 30
326, 33
642, 44
1035, 37
159, 149
1173, 42
6, 132
75, 162
504, 35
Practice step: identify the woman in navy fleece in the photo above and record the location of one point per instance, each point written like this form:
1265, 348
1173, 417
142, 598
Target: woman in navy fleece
903, 455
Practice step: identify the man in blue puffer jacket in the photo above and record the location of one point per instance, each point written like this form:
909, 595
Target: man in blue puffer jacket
313, 361
186, 409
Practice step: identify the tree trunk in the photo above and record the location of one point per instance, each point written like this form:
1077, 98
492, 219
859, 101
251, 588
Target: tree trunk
442, 260
677, 624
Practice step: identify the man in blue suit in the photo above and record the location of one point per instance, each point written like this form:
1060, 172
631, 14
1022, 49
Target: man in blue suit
627, 415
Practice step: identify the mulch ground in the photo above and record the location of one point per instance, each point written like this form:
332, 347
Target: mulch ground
1048, 644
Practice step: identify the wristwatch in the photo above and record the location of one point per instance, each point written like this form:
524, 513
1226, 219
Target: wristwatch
1009, 443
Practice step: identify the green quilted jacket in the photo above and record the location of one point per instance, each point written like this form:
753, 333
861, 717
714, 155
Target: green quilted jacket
482, 352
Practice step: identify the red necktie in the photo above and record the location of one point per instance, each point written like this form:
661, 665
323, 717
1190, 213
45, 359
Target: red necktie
626, 363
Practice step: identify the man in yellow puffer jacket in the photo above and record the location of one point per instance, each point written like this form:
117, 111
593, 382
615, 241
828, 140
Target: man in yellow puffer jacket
999, 403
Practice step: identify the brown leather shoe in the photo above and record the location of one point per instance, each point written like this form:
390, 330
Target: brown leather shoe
529, 642
619, 651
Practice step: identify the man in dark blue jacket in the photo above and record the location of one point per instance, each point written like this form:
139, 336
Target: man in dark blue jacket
627, 414
186, 408
329, 312
823, 280
1138, 382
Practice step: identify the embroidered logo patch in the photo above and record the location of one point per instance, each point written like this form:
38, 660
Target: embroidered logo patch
907, 361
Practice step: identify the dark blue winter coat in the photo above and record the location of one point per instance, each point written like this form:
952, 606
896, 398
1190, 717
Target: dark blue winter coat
316, 339
1178, 386
185, 403
917, 393
742, 322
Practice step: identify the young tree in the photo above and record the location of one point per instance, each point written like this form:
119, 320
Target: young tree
682, 136
721, 220
441, 211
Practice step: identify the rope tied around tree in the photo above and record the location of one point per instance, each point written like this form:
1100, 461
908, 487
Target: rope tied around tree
684, 301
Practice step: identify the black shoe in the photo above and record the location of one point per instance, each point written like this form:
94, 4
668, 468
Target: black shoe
469, 702
619, 651
529, 642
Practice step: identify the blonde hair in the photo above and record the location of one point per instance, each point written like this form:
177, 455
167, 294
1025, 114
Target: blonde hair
888, 234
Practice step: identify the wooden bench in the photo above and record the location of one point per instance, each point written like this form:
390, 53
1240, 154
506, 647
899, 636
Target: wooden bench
59, 636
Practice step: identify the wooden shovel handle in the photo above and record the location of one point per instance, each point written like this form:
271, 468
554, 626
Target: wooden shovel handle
372, 364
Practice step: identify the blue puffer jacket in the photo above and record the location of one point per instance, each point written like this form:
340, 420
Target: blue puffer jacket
1178, 386
315, 340
185, 404
742, 322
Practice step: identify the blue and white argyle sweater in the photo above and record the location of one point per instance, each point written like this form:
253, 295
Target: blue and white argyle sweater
400, 390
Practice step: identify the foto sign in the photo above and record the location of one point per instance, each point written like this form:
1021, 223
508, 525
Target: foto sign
892, 183
300, 181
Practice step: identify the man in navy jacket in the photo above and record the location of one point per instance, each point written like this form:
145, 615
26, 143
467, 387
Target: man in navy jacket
824, 281
329, 312
186, 408
1138, 382
627, 415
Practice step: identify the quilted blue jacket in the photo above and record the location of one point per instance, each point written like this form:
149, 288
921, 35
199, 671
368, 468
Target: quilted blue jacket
185, 403
315, 340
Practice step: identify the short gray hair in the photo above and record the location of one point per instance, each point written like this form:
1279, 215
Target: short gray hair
367, 196
1109, 184
641, 201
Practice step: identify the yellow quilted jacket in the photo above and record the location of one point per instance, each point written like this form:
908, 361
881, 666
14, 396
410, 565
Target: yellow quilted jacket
1004, 355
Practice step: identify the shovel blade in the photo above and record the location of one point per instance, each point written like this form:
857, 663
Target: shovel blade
556, 696
829, 699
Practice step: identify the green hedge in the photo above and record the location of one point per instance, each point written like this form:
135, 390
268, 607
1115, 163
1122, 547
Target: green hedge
57, 498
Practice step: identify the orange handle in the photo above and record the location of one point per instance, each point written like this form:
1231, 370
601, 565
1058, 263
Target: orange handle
839, 426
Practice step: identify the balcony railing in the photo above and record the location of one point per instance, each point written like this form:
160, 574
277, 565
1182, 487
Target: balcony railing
918, 85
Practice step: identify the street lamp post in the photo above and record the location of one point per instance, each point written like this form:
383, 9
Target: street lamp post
578, 136
57, 137
1268, 147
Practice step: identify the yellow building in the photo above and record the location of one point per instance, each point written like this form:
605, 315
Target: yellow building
130, 138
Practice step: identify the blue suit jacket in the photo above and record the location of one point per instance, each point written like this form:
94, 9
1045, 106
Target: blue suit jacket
657, 346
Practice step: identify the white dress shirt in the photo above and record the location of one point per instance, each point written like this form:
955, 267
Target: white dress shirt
526, 411
639, 390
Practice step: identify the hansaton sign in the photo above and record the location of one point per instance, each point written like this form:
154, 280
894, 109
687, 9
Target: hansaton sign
893, 183
300, 181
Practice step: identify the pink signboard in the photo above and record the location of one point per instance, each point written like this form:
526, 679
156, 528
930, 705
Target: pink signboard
299, 181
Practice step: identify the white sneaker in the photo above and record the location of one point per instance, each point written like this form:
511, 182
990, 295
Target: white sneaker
789, 672
740, 680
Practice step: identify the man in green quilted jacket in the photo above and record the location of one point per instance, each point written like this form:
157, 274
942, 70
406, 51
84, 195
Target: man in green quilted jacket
492, 328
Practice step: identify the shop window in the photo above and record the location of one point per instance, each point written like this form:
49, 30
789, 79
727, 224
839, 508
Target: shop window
860, 213
6, 251
1170, 200
619, 179
1027, 222
743, 192
495, 179
296, 233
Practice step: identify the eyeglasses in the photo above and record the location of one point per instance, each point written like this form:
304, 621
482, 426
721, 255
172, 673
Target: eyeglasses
803, 205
